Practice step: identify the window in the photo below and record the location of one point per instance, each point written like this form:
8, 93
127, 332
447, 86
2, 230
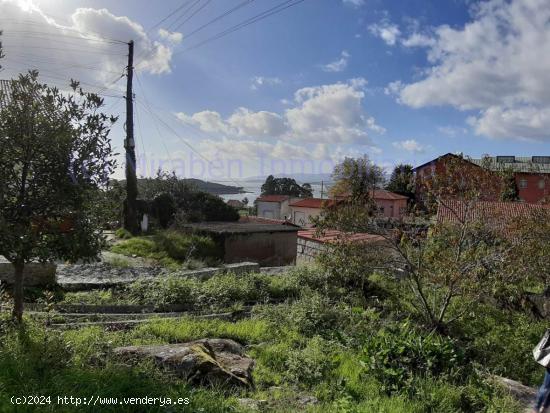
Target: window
522, 183
542, 184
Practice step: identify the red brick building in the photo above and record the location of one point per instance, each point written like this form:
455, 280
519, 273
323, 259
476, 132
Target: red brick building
531, 175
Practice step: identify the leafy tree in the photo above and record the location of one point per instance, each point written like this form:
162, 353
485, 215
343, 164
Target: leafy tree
286, 186
173, 197
357, 178
510, 190
402, 180
55, 156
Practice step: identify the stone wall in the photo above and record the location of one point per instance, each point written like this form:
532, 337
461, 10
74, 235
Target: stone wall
308, 249
35, 274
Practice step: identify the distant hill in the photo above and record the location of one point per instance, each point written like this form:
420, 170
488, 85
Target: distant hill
213, 187
299, 177
210, 187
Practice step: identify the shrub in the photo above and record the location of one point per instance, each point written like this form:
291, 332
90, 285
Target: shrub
123, 233
312, 364
397, 356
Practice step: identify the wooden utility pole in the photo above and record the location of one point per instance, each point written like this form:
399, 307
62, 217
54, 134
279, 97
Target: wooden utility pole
130, 207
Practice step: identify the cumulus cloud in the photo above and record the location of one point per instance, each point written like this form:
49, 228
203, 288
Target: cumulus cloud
497, 64
259, 81
386, 30
409, 145
172, 37
79, 44
338, 65
418, 40
319, 114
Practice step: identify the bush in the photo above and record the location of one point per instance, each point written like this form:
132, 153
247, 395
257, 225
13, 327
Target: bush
123, 233
312, 364
397, 357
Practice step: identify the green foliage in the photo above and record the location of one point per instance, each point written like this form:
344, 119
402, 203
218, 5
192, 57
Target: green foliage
123, 233
402, 180
395, 357
171, 248
286, 186
163, 208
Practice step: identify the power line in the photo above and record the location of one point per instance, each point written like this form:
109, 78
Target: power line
193, 14
217, 18
177, 135
183, 14
68, 36
169, 15
265, 14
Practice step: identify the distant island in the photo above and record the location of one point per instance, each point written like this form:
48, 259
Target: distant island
205, 186
214, 188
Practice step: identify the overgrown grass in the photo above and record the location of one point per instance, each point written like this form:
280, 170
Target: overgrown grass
171, 248
353, 356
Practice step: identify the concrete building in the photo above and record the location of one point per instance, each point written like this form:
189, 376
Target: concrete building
389, 204
270, 243
273, 206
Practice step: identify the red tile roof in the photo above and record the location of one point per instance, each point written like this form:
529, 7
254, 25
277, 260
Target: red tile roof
383, 194
499, 215
312, 203
273, 198
332, 236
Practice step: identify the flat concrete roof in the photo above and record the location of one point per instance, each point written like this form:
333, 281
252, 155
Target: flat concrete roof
239, 227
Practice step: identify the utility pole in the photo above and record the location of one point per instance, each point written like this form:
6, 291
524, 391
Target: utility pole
130, 207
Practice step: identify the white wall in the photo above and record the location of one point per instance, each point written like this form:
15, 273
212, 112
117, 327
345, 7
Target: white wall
301, 215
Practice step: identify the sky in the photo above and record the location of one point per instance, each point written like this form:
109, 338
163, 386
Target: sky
299, 90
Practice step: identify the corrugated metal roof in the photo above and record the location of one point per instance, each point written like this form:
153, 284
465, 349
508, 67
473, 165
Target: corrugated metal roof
522, 164
5, 92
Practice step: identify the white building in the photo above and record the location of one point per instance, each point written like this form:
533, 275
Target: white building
273, 206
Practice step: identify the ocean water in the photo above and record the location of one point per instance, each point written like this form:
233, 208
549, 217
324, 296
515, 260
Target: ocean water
253, 191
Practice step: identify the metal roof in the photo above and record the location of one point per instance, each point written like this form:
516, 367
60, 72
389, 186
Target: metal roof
522, 164
239, 227
5, 92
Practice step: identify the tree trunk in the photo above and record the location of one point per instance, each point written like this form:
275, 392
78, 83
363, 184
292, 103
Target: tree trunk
17, 313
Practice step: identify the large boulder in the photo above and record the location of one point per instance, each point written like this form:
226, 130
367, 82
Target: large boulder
210, 361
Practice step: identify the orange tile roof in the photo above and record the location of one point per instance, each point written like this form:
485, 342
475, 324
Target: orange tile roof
383, 194
331, 236
273, 198
498, 215
312, 203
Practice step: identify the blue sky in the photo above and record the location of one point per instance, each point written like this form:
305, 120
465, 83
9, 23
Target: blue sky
298, 91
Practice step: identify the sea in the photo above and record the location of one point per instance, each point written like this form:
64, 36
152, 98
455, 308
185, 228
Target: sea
253, 190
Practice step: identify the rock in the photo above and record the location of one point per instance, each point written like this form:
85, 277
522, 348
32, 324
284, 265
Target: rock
523, 394
252, 404
208, 361
307, 400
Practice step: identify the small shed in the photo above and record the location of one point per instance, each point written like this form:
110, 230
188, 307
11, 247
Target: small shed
267, 243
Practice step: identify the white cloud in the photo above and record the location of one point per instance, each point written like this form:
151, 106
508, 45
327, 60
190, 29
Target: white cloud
497, 64
355, 3
387, 31
418, 40
258, 124
320, 114
451, 131
259, 81
338, 65
394, 88
409, 145
172, 37
76, 45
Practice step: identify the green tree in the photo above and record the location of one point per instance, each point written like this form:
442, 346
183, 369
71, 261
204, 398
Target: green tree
510, 190
357, 178
55, 156
286, 186
402, 180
